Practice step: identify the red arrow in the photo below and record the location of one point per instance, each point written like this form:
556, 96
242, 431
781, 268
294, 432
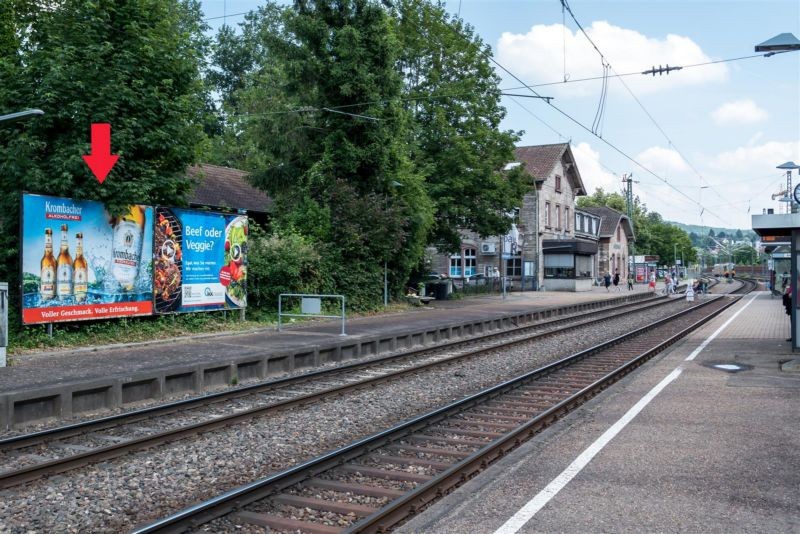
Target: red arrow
101, 161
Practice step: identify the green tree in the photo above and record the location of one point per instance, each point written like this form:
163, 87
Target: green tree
453, 94
654, 236
132, 63
328, 136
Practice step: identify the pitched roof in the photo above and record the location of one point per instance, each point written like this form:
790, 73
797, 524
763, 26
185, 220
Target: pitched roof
609, 219
540, 160
223, 187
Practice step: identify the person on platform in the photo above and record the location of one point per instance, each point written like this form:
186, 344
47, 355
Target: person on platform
651, 286
787, 299
607, 280
616, 281
787, 303
630, 282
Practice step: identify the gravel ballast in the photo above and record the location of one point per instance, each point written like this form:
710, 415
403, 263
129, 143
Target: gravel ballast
132, 490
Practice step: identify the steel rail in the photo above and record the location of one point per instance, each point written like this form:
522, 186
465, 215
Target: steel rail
93, 425
236, 498
60, 465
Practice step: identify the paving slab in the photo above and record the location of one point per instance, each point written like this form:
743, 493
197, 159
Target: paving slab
716, 450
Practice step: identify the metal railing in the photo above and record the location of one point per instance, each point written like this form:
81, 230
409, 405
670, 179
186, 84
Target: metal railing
3, 322
310, 306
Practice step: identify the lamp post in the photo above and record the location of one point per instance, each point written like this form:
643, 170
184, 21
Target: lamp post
21, 115
675, 255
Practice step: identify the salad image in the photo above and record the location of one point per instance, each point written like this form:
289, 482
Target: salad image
233, 274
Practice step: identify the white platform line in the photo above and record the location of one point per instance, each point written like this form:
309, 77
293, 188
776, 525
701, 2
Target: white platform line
518, 520
710, 338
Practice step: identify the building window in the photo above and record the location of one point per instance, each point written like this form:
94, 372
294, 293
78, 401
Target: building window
566, 219
455, 265
514, 267
584, 266
579, 223
547, 215
558, 184
559, 266
464, 264
619, 235
470, 262
558, 217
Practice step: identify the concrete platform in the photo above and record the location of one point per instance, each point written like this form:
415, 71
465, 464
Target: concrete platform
62, 384
716, 449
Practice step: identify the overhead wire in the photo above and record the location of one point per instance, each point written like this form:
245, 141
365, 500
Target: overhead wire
530, 88
607, 65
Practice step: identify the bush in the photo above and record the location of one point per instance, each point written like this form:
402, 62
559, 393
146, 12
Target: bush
286, 263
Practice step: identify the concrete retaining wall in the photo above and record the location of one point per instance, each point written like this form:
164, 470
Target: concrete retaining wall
67, 400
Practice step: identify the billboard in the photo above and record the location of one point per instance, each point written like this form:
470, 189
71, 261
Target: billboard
199, 260
79, 262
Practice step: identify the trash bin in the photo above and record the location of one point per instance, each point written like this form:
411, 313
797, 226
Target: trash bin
440, 290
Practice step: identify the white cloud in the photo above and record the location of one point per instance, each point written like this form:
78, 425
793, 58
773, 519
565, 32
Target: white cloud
757, 160
738, 112
737, 180
592, 172
662, 161
538, 56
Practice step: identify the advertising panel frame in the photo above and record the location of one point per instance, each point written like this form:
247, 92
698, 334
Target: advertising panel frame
90, 311
181, 309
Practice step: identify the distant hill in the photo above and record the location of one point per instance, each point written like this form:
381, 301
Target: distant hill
747, 234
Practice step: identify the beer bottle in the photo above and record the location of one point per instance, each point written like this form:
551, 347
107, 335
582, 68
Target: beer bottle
47, 282
64, 268
80, 271
127, 247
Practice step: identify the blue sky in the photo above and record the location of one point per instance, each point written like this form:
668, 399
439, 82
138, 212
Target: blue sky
717, 132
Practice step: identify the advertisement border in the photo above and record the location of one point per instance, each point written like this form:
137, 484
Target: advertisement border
22, 308
233, 213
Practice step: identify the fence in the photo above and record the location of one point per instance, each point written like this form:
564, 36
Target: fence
3, 322
310, 306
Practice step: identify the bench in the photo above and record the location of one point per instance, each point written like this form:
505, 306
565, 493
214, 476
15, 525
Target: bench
418, 301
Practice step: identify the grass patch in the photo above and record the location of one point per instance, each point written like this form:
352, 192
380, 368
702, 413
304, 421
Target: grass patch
31, 339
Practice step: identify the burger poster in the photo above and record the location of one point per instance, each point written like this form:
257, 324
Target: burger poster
199, 260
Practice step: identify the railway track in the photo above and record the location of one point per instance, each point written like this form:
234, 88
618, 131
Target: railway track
376, 482
27, 457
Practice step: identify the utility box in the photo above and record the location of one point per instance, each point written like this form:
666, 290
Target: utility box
3, 322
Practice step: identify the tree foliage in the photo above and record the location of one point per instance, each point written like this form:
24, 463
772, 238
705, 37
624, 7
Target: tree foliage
374, 129
654, 236
326, 133
132, 63
453, 95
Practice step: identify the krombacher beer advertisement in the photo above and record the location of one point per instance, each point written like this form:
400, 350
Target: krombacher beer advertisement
199, 260
78, 262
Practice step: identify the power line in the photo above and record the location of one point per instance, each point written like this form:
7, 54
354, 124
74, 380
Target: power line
636, 99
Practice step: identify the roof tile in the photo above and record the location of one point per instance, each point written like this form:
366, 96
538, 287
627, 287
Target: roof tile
223, 187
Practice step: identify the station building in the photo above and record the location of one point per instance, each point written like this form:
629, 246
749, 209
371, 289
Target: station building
552, 244
616, 233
